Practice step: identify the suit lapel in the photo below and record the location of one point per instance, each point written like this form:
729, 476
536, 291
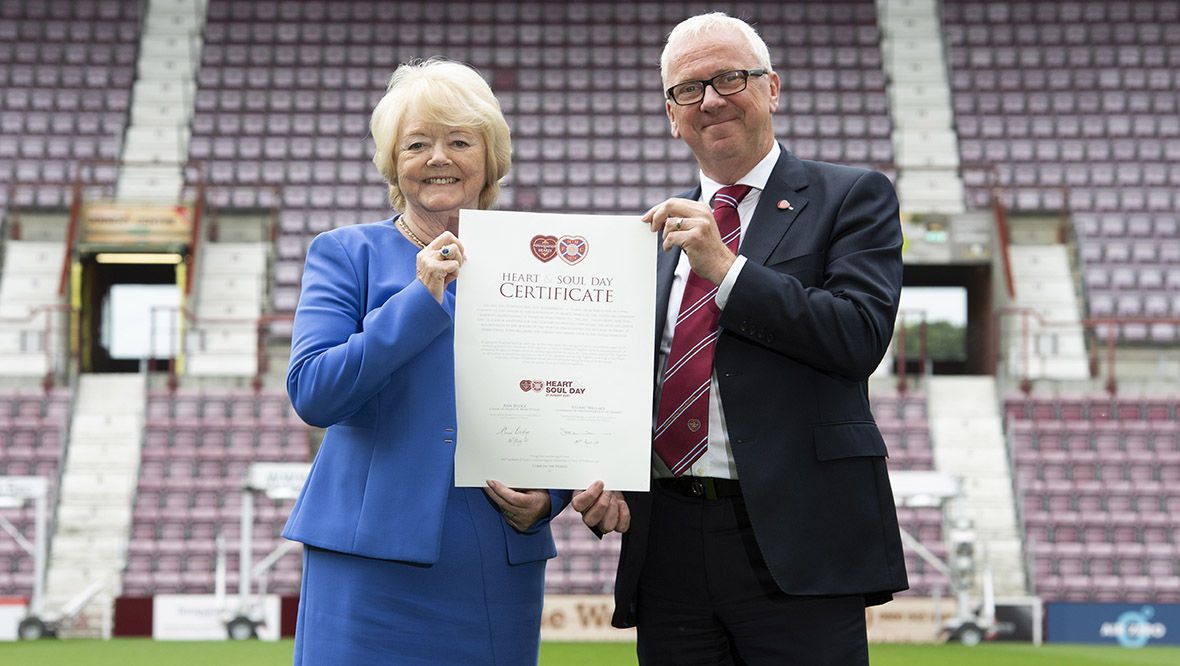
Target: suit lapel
766, 231
665, 269
771, 223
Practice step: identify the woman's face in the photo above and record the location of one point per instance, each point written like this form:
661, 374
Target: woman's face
440, 168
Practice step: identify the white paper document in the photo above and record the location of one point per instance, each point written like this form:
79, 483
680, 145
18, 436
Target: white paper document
554, 336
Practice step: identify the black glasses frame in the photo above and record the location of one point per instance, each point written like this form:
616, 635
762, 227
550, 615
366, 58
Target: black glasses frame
745, 74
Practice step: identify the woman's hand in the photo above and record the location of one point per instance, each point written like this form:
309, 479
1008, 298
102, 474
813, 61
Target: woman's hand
439, 262
520, 508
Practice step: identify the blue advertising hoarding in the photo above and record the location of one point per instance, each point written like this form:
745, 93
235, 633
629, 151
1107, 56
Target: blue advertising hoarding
1129, 625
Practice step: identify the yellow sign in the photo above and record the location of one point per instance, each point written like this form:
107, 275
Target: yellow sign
908, 620
586, 617
581, 617
135, 225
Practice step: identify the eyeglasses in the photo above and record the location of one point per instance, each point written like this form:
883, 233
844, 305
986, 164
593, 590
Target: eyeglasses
725, 83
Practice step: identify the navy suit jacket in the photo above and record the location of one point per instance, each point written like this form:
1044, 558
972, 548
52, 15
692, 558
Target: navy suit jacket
372, 360
808, 320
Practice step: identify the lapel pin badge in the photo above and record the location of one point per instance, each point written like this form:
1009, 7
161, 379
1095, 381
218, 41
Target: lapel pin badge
785, 205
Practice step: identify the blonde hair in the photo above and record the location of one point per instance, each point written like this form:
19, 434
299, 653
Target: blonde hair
445, 92
695, 27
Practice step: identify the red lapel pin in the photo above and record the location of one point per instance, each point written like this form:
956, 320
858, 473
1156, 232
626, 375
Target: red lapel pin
785, 205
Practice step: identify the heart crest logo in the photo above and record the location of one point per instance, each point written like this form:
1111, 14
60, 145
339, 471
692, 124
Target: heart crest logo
526, 385
572, 249
544, 247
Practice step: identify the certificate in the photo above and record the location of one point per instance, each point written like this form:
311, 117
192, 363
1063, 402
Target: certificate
554, 336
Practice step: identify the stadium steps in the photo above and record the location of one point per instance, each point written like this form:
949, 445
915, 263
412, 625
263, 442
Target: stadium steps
162, 102
968, 442
29, 281
924, 140
1044, 284
231, 281
99, 477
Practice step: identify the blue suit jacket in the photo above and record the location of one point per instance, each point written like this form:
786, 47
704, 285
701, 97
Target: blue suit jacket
808, 320
372, 360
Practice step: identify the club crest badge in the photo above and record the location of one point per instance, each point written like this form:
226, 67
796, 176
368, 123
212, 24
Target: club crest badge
538, 385
526, 385
572, 249
544, 247
694, 425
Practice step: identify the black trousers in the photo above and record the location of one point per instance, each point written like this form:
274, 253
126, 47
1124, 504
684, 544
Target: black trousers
707, 597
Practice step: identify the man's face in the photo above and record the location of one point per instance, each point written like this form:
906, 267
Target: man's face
722, 129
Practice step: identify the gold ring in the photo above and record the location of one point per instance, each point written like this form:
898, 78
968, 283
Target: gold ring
679, 223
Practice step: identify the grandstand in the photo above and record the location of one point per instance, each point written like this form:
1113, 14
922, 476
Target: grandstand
1035, 147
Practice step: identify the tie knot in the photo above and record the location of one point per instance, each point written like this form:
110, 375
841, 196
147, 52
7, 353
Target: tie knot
730, 195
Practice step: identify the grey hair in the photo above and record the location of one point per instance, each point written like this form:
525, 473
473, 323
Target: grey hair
695, 27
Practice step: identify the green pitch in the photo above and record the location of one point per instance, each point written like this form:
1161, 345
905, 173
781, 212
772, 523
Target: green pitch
133, 652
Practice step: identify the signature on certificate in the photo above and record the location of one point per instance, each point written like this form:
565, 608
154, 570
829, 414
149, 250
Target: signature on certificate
514, 434
584, 437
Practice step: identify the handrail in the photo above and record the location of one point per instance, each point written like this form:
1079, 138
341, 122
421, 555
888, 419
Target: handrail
262, 364
194, 323
47, 335
1001, 217
1112, 324
1064, 223
200, 204
903, 354
197, 324
5, 228
1025, 350
901, 360
195, 239
1000, 214
72, 230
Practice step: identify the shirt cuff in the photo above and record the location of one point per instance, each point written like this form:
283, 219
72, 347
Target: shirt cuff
727, 284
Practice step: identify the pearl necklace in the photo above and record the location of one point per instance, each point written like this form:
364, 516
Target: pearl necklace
413, 236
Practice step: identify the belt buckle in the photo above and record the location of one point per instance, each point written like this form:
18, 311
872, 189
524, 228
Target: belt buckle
703, 487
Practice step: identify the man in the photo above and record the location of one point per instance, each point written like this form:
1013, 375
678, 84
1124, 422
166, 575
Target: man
770, 524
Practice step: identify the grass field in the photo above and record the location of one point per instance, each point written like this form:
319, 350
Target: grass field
132, 652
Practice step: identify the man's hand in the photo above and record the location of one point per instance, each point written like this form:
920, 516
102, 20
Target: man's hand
603, 510
690, 225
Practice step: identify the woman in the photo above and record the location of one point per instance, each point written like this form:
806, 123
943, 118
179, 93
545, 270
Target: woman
399, 565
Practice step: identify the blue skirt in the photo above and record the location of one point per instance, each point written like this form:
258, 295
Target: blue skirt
471, 607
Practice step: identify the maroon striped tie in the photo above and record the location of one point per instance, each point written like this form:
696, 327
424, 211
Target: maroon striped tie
682, 426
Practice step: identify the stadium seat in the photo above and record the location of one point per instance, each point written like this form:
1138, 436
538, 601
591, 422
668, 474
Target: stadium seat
1103, 492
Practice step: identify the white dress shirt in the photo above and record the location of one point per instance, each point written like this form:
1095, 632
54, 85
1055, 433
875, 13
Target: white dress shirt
717, 460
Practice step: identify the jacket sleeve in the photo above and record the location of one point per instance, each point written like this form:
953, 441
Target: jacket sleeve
844, 325
558, 499
341, 355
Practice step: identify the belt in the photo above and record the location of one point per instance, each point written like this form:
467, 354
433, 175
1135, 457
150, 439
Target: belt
701, 486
